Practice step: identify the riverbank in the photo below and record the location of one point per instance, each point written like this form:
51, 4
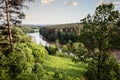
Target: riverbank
39, 39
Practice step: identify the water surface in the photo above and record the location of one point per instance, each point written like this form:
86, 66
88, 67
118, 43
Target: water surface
38, 39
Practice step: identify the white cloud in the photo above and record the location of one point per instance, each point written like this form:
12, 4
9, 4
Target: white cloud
73, 3
45, 2
116, 3
103, 2
30, 16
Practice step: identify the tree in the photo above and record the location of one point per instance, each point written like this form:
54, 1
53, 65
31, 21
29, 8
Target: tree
23, 63
65, 48
110, 69
80, 52
98, 30
101, 23
52, 49
10, 14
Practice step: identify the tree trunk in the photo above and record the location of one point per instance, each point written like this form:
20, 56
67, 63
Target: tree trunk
99, 66
99, 55
8, 24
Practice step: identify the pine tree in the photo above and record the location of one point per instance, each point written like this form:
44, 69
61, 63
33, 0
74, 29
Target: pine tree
11, 14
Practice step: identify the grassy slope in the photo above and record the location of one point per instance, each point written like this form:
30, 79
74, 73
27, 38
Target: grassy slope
66, 65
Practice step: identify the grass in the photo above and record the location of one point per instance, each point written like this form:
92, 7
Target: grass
75, 70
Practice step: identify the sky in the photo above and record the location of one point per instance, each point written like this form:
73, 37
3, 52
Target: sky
46, 12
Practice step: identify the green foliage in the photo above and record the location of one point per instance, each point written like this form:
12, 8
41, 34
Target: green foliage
3, 68
30, 28
98, 32
38, 51
64, 68
39, 71
37, 68
26, 76
62, 54
17, 62
19, 36
3, 38
110, 69
22, 62
52, 49
100, 28
80, 53
14, 9
63, 33
65, 48
59, 75
76, 46
59, 53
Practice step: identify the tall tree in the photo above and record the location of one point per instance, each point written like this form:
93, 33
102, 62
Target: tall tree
11, 14
98, 29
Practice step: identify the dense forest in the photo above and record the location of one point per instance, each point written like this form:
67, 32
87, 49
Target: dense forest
75, 32
63, 33
80, 51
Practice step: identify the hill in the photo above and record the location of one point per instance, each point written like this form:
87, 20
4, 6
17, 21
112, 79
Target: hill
65, 65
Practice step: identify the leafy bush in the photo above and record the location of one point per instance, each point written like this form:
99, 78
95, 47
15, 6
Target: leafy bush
19, 35
37, 68
22, 62
38, 51
15, 63
3, 68
59, 75
27, 76
52, 49
58, 53
79, 51
109, 70
65, 48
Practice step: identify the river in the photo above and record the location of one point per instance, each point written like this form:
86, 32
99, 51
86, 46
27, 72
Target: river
38, 39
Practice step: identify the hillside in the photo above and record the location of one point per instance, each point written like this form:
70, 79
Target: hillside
65, 65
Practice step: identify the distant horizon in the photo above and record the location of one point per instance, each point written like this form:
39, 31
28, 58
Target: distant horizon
51, 24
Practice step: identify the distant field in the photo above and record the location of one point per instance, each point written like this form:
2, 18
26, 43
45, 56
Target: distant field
66, 65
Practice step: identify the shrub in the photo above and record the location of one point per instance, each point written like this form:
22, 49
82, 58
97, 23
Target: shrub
22, 62
3, 67
59, 54
27, 76
80, 52
109, 68
52, 49
59, 75
65, 48
15, 63
39, 52
19, 35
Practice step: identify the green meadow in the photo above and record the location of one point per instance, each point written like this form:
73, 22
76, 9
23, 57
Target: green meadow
75, 70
